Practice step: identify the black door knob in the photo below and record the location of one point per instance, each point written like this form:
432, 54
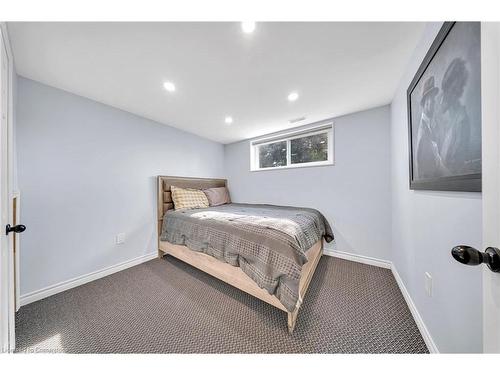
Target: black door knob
16, 228
472, 257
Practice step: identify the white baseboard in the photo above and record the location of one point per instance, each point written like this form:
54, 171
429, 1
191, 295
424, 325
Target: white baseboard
80, 280
426, 335
429, 342
358, 258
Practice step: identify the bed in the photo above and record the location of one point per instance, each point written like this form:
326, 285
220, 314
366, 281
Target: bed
173, 230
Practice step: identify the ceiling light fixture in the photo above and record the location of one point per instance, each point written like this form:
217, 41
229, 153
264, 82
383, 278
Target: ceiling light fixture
248, 27
228, 120
169, 86
293, 96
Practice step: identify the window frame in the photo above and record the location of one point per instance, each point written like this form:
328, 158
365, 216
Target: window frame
326, 127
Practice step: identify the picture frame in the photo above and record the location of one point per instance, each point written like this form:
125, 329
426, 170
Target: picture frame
444, 112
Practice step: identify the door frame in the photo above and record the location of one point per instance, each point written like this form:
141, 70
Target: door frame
490, 98
7, 287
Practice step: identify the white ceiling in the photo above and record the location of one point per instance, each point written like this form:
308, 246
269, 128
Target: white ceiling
337, 68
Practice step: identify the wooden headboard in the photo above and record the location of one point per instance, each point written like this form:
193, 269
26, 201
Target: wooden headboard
165, 197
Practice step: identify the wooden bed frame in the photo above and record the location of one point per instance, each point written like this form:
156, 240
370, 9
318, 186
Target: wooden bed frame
224, 271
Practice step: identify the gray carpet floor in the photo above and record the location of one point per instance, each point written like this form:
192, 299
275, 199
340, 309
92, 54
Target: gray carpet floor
166, 306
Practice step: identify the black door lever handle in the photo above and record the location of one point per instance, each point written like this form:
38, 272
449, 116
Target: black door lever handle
16, 228
472, 257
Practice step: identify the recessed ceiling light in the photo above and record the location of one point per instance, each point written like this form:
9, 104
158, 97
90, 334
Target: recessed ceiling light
169, 86
248, 27
293, 96
228, 120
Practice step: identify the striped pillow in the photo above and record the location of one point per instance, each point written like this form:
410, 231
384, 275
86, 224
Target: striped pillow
188, 198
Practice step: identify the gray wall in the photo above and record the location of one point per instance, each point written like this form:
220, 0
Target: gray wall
426, 225
353, 194
87, 172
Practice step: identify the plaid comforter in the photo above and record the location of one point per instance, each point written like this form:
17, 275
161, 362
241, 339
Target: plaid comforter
268, 243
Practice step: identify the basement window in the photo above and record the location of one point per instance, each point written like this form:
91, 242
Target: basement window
309, 147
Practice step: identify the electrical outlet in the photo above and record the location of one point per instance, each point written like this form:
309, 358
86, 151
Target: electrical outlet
428, 284
120, 238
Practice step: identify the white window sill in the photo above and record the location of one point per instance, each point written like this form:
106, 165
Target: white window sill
303, 165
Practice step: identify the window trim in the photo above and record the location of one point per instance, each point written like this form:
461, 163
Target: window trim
326, 127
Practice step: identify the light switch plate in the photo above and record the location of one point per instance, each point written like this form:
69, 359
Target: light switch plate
120, 238
428, 284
